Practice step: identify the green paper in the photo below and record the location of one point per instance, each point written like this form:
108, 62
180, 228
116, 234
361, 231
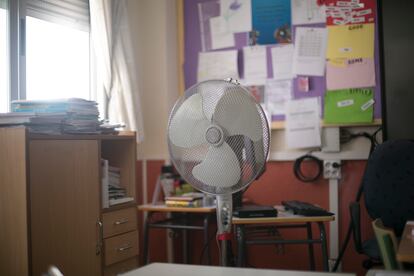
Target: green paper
346, 106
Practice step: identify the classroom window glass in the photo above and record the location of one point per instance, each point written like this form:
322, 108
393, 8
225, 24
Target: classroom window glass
57, 61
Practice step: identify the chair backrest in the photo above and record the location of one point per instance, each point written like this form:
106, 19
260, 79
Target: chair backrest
388, 184
387, 243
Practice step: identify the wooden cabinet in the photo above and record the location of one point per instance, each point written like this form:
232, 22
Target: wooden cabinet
50, 204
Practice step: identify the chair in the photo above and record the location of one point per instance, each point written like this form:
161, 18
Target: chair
368, 247
387, 243
388, 188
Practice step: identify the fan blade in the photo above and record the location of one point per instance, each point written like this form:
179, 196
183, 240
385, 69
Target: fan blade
212, 91
188, 124
220, 168
238, 113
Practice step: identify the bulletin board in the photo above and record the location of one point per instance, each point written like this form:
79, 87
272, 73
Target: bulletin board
317, 85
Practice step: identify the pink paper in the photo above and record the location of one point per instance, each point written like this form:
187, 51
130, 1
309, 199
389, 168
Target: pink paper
350, 73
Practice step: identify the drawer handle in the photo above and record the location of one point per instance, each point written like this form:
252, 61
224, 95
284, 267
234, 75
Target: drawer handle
122, 221
124, 248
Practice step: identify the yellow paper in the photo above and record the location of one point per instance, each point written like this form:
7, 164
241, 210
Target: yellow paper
351, 41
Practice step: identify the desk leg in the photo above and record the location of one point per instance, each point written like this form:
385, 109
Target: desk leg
146, 237
310, 246
185, 246
241, 246
206, 241
324, 246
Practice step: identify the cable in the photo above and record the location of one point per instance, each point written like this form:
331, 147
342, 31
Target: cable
206, 245
345, 137
297, 170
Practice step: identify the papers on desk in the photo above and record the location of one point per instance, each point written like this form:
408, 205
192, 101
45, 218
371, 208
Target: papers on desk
307, 12
303, 123
217, 65
310, 49
255, 65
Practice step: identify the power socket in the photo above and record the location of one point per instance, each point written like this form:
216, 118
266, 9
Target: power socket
332, 169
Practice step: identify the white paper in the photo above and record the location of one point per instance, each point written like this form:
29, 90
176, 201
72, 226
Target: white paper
307, 12
303, 123
310, 51
220, 38
255, 65
237, 15
282, 58
217, 65
277, 92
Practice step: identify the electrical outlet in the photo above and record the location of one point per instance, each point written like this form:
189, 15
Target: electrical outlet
332, 169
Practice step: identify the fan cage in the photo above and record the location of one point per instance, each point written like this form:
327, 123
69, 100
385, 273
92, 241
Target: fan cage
251, 155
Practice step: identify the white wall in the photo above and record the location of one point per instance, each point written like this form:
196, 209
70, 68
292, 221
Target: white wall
155, 42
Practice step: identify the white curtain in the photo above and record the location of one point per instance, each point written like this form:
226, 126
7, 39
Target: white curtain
116, 71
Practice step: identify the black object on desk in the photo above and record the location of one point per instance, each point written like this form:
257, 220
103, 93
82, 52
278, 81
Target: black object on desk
255, 211
305, 209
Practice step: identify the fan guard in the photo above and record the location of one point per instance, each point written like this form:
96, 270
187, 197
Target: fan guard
218, 137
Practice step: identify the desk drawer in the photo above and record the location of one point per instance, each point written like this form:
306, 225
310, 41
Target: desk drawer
119, 222
121, 247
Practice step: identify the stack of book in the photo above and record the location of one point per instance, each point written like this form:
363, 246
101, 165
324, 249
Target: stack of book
112, 191
185, 200
71, 116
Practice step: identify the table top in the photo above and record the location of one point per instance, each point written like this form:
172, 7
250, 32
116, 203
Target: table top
405, 251
283, 216
156, 269
164, 208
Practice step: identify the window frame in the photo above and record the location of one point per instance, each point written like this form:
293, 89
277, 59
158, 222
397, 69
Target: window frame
17, 53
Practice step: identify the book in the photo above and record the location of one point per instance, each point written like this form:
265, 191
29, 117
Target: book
15, 118
185, 197
178, 203
105, 185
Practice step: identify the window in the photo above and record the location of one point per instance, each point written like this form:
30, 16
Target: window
4, 57
57, 61
52, 59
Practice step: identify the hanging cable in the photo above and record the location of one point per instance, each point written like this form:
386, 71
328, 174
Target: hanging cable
297, 168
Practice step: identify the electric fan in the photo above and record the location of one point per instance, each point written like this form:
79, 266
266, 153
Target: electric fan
218, 138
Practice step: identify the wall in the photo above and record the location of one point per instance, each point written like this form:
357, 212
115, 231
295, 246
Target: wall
154, 24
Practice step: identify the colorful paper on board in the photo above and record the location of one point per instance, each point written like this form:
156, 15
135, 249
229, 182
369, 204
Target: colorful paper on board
272, 21
351, 41
349, 106
347, 12
350, 73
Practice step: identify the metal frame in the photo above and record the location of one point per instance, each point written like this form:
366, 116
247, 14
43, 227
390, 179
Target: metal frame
244, 239
183, 222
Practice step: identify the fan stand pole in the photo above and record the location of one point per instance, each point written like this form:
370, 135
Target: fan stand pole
224, 214
223, 257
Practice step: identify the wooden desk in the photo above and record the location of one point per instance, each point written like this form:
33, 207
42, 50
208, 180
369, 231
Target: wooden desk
246, 226
405, 251
156, 269
183, 219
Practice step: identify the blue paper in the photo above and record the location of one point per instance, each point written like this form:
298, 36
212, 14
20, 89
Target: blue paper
272, 20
